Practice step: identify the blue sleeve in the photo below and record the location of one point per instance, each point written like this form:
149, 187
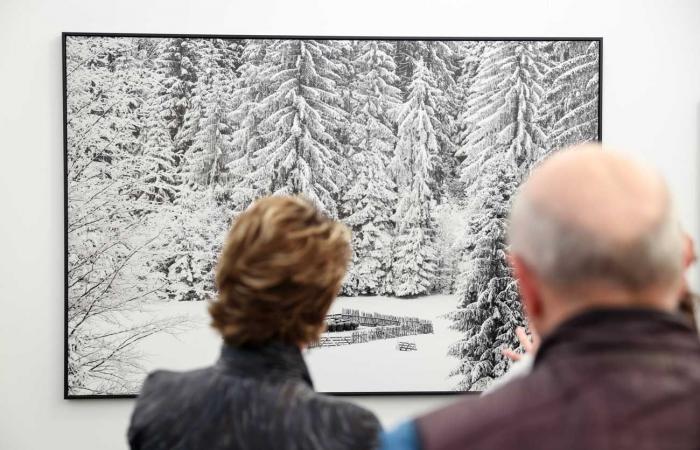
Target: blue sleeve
403, 437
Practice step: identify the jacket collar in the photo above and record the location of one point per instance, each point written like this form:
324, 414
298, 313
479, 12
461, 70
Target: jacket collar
613, 330
275, 361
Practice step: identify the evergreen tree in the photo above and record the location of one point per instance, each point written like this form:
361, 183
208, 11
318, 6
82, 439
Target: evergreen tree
489, 306
368, 206
376, 99
170, 88
414, 254
370, 200
439, 58
572, 94
470, 62
193, 246
205, 159
347, 72
157, 180
252, 86
177, 66
505, 108
505, 141
301, 153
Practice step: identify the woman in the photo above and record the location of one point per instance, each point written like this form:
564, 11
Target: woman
280, 270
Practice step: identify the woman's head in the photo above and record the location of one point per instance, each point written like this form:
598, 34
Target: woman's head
280, 269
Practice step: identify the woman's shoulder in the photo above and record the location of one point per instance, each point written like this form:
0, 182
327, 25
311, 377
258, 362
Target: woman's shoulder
164, 380
333, 411
338, 423
163, 388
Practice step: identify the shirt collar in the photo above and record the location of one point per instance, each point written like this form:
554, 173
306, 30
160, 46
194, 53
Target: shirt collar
605, 330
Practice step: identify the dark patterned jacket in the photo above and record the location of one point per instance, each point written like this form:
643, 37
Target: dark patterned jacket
606, 380
251, 399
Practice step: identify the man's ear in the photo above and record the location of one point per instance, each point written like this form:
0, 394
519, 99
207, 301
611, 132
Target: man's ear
528, 285
689, 255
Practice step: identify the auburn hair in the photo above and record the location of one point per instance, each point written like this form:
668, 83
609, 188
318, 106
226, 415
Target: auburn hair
280, 269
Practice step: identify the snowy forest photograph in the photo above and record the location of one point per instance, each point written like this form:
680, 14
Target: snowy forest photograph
417, 145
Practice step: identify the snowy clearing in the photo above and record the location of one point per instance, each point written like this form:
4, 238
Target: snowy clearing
371, 367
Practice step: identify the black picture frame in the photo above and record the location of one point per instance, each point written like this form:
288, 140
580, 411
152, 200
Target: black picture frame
66, 35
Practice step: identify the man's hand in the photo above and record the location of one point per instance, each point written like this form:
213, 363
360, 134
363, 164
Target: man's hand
529, 344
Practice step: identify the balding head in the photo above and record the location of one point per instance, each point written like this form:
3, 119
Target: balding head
591, 216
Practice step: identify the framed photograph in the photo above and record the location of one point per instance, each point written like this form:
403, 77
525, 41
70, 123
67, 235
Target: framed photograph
417, 144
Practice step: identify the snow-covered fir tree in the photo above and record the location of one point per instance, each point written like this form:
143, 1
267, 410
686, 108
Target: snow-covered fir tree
177, 65
368, 207
194, 244
205, 160
251, 87
370, 200
470, 61
506, 139
414, 254
170, 86
301, 153
189, 259
505, 107
489, 307
376, 99
439, 58
571, 100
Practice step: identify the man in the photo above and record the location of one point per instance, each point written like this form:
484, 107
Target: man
598, 254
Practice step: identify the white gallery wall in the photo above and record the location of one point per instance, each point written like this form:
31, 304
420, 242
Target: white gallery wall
651, 107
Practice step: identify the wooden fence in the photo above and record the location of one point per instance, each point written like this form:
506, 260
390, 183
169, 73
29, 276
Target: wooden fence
380, 327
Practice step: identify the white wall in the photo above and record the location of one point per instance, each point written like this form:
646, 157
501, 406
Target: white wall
651, 106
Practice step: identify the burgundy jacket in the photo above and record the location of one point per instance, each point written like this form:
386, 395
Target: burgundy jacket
613, 380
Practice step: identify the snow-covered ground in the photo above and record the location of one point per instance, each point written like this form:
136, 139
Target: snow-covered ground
378, 366
371, 367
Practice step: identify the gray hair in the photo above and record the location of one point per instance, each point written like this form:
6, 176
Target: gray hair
565, 254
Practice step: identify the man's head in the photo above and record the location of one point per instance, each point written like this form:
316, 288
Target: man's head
280, 269
591, 228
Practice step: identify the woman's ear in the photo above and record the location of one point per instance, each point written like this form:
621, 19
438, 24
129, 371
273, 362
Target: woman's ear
528, 285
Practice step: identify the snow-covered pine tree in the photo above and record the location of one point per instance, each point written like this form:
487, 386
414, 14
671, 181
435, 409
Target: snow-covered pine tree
505, 107
416, 154
439, 58
345, 56
367, 207
193, 246
571, 98
251, 87
376, 98
171, 83
178, 67
505, 141
301, 154
369, 202
470, 56
158, 179
204, 161
489, 307
470, 61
